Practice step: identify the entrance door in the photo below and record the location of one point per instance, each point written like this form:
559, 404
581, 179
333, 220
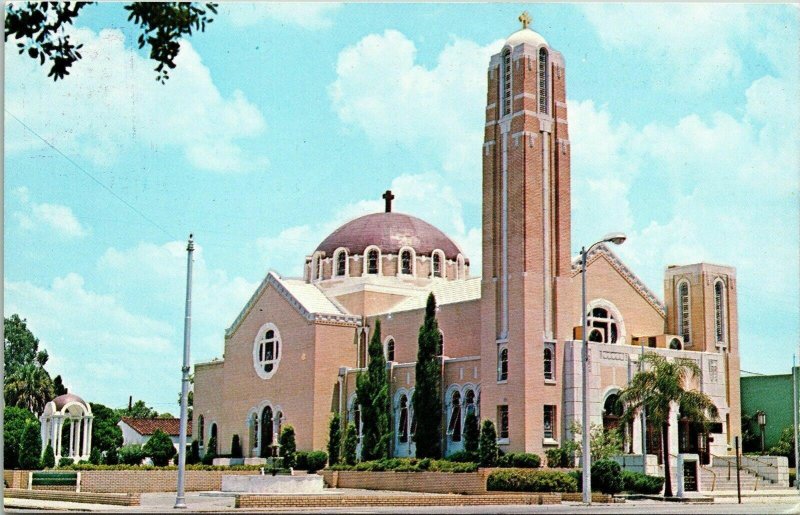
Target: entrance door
266, 432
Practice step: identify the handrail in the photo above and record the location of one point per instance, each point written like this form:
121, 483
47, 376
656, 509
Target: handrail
713, 474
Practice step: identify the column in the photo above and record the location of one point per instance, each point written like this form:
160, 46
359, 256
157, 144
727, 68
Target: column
71, 440
57, 438
89, 436
85, 436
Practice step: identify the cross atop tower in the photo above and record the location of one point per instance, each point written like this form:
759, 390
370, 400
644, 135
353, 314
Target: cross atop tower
388, 197
525, 18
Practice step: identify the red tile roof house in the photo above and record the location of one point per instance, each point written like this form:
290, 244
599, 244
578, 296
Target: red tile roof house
139, 430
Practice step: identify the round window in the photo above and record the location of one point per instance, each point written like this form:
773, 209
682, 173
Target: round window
267, 351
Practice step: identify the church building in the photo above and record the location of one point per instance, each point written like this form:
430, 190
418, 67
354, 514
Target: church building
511, 332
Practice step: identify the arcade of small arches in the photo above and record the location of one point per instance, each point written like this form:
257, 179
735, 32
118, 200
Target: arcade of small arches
406, 264
262, 427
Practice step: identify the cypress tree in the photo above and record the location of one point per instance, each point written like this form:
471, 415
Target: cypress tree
350, 444
288, 445
49, 458
471, 433
487, 449
30, 447
372, 391
428, 389
236, 447
112, 457
334, 439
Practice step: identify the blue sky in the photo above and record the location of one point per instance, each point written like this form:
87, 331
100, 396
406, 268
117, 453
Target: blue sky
283, 121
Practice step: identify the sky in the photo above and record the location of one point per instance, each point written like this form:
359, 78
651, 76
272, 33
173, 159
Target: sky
281, 122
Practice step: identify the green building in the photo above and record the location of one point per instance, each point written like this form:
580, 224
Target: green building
773, 395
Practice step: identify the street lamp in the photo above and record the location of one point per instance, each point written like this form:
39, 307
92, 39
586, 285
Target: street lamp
762, 423
616, 238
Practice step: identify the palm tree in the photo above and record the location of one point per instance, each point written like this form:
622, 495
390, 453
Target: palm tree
29, 387
656, 389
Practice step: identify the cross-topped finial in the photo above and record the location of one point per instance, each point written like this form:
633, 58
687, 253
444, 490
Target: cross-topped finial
388, 197
525, 18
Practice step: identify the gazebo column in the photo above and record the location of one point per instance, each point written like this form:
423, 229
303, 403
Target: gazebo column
56, 435
89, 436
85, 450
72, 439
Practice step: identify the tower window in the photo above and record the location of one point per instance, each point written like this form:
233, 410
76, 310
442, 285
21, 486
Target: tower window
549, 421
405, 262
683, 312
502, 363
719, 312
436, 264
454, 427
372, 261
502, 422
543, 97
549, 365
506, 82
341, 263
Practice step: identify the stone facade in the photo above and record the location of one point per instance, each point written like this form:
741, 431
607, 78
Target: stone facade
511, 337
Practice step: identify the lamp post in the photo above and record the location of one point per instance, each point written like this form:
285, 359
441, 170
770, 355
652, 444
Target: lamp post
616, 238
762, 423
180, 500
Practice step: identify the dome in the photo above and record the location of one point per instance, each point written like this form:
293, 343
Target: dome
68, 398
527, 36
389, 232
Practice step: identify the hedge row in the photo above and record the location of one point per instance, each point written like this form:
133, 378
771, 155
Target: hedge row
636, 482
409, 465
89, 466
310, 460
522, 480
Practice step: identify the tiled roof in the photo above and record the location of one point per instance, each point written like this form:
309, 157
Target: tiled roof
148, 426
446, 292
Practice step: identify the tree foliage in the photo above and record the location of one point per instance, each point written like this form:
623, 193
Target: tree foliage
656, 389
288, 445
372, 392
159, 448
30, 446
138, 410
428, 391
334, 438
131, 454
349, 451
42, 31
58, 386
27, 384
236, 447
14, 421
471, 433
487, 448
111, 457
106, 434
785, 446
49, 457
603, 443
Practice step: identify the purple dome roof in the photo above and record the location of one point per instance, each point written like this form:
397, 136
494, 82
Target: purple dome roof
63, 400
390, 232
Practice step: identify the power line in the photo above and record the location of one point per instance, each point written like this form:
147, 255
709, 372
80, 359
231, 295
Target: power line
92, 177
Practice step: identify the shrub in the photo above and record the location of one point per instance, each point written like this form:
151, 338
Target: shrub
159, 448
463, 457
334, 438
193, 456
639, 483
236, 447
311, 461
30, 447
792, 479
111, 457
49, 458
288, 445
131, 454
523, 460
607, 476
15, 420
95, 457
409, 465
65, 461
487, 447
211, 451
558, 458
350, 444
515, 480
472, 433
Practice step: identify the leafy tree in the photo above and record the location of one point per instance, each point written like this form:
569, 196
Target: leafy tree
487, 448
471, 433
372, 391
29, 387
785, 446
211, 451
288, 445
41, 29
334, 439
138, 410
159, 448
111, 457
21, 346
49, 457
607, 476
58, 386
15, 419
193, 456
427, 393
106, 434
30, 447
350, 444
603, 443
95, 456
656, 390
236, 447
751, 436
131, 454
166, 414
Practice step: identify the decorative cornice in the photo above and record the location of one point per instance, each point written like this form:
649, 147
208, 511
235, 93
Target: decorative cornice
625, 272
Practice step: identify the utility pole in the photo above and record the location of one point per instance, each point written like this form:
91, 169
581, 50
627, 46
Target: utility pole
794, 417
180, 501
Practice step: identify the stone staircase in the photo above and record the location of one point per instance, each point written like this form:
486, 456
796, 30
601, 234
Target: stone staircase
725, 479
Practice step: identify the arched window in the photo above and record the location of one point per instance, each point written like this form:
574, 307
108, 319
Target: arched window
440, 348
502, 363
402, 420
406, 265
461, 272
602, 325
390, 349
341, 263
317, 268
543, 67
373, 261
267, 351
454, 427
684, 323
278, 422
506, 82
254, 432
548, 363
201, 435
469, 401
719, 311
266, 438
361, 358
612, 412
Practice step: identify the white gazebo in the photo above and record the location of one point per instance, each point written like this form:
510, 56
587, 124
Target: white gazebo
68, 407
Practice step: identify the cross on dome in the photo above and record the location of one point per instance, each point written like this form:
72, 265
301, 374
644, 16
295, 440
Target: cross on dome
525, 18
388, 197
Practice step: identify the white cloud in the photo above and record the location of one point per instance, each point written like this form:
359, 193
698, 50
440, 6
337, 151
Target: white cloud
308, 15
54, 217
382, 90
111, 92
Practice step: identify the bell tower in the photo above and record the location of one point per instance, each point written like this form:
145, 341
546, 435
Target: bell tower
526, 241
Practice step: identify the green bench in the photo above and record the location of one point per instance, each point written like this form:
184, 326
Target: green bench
54, 479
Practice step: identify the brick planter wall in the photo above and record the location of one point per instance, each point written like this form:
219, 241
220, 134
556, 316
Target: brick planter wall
473, 483
142, 481
16, 478
53, 495
251, 501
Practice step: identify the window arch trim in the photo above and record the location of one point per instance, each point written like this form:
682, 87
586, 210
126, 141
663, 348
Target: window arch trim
413, 262
337, 254
379, 267
266, 363
683, 311
389, 351
720, 305
441, 272
613, 312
